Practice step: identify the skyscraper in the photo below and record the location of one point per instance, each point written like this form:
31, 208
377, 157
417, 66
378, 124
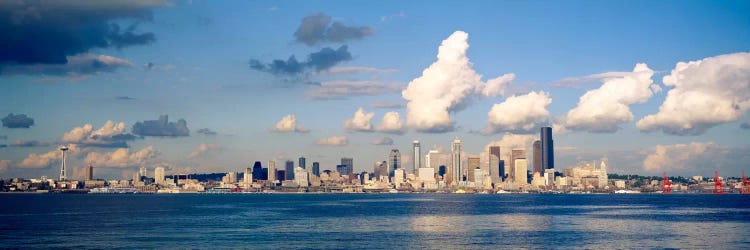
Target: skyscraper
316, 168
289, 170
143, 172
516, 154
537, 161
247, 178
349, 163
520, 168
302, 162
159, 175
257, 171
417, 157
548, 153
394, 161
271, 171
496, 173
88, 173
456, 170
472, 164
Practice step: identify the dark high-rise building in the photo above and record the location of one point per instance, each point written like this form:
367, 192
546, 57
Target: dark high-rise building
496, 172
257, 171
343, 169
316, 168
502, 170
88, 173
548, 153
281, 174
349, 163
302, 162
289, 170
537, 161
441, 171
394, 161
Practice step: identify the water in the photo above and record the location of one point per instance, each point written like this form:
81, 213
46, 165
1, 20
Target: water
378, 221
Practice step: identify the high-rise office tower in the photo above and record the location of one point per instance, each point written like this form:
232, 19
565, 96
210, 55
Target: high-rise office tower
349, 163
316, 168
394, 161
417, 162
143, 172
472, 164
289, 170
257, 172
548, 153
271, 171
456, 170
514, 155
88, 173
537, 161
302, 162
159, 175
520, 168
247, 178
496, 173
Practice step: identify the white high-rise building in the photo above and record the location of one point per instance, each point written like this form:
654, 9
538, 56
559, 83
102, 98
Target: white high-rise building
271, 171
520, 169
398, 176
247, 179
158, 175
143, 172
456, 170
301, 177
417, 157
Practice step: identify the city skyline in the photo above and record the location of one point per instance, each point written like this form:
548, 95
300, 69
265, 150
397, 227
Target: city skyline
146, 91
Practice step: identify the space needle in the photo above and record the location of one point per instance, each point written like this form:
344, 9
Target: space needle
62, 169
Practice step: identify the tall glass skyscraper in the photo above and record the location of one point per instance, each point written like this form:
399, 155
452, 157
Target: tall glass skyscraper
316, 168
456, 170
349, 163
548, 153
302, 162
289, 170
394, 161
417, 157
537, 161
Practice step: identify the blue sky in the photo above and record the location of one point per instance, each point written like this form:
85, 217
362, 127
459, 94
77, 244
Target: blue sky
200, 72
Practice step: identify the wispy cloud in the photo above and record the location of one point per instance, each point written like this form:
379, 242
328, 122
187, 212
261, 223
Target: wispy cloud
344, 89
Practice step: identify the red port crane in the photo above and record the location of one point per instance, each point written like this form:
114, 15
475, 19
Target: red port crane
666, 187
745, 184
718, 188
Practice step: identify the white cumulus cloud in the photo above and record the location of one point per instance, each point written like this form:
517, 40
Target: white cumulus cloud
111, 134
202, 150
694, 155
391, 123
288, 123
704, 93
48, 159
333, 141
121, 158
519, 114
360, 121
447, 86
605, 108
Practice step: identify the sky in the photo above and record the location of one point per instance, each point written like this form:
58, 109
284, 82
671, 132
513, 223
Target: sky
213, 86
